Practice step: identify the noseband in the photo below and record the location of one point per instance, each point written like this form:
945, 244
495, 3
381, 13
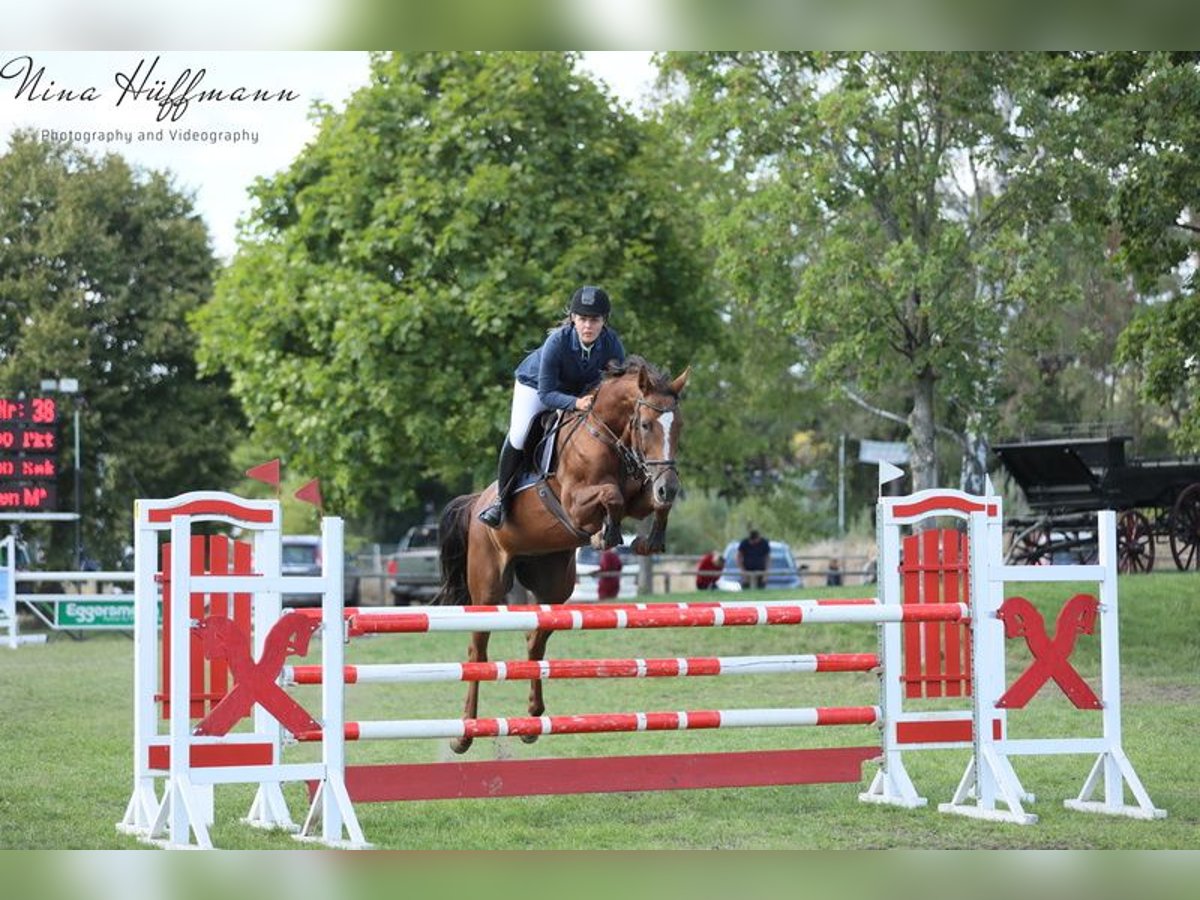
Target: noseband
646, 462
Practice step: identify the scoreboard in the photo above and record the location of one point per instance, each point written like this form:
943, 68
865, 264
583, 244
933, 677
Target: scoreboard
29, 454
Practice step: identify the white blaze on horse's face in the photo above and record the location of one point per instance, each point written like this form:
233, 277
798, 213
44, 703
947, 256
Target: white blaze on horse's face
665, 484
666, 420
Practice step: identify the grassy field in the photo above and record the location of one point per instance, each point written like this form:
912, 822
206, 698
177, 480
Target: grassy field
67, 722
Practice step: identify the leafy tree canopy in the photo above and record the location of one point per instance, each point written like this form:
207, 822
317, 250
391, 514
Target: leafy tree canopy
99, 267
393, 276
893, 214
1135, 117
1138, 116
1164, 343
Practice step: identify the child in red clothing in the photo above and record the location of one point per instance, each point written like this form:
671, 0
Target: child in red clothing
712, 561
609, 585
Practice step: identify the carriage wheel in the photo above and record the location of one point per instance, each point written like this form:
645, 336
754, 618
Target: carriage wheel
1185, 529
1135, 542
1029, 547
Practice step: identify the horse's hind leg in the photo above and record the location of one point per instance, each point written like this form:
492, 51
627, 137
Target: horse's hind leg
551, 578
488, 577
476, 652
536, 642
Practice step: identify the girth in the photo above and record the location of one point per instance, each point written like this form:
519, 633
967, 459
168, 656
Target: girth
555, 508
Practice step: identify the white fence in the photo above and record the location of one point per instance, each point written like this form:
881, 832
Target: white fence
100, 601
103, 601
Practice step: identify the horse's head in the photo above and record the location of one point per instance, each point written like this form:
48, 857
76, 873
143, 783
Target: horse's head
640, 406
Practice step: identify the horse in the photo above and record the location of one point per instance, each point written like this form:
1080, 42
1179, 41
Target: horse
614, 459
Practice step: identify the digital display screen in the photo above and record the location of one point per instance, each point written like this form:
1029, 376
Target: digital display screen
29, 454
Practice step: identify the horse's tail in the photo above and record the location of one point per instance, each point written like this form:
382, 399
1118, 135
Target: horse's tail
453, 529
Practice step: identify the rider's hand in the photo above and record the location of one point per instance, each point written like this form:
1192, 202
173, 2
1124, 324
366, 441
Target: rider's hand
583, 403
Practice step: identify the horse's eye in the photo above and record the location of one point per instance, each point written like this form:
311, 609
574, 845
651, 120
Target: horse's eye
645, 425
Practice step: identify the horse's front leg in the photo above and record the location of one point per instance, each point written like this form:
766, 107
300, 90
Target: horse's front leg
536, 642
476, 652
656, 540
598, 509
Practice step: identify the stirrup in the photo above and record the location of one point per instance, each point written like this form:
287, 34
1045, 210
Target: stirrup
493, 516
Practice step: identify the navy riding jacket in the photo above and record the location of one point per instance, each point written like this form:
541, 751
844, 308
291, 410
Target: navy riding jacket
560, 370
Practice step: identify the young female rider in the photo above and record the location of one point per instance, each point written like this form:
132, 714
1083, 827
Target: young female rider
555, 376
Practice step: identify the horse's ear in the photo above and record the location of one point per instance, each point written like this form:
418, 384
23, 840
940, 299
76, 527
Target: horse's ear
681, 382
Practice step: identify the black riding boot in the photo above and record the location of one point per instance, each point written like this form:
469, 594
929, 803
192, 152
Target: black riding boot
506, 482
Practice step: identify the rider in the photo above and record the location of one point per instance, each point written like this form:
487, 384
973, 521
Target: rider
557, 375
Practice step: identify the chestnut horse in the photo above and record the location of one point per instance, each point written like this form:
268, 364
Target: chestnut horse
612, 461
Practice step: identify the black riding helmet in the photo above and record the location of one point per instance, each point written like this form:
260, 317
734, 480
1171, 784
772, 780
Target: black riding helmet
590, 301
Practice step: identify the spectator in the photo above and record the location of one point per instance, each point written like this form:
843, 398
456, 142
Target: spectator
833, 577
608, 585
870, 570
712, 561
753, 554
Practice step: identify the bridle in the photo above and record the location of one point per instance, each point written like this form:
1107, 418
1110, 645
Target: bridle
633, 459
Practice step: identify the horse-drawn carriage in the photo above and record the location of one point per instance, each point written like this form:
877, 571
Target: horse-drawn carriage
1067, 480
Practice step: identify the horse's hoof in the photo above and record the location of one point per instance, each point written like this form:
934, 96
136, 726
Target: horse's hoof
640, 546
529, 738
462, 745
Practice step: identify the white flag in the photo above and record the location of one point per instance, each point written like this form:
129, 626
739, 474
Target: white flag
888, 472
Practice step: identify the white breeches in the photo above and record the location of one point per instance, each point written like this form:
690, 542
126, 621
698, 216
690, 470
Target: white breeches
525, 406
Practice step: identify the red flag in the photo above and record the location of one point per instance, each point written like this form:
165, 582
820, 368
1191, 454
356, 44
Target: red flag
268, 472
311, 493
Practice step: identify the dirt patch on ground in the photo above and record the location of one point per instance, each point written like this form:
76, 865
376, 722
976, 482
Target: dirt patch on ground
1153, 691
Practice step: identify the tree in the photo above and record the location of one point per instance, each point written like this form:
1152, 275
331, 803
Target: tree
1149, 104
1149, 150
99, 267
391, 278
893, 216
1163, 342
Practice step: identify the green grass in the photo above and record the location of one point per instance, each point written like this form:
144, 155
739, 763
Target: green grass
67, 724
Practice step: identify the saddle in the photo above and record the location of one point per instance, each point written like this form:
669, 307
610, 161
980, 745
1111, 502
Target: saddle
541, 451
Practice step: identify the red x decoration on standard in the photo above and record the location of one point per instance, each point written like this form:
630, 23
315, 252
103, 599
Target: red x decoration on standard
1050, 655
256, 682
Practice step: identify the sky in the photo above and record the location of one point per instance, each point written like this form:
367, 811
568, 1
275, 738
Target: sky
104, 101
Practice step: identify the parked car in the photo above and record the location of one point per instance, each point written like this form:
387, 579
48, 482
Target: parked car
415, 570
301, 555
587, 564
415, 567
781, 568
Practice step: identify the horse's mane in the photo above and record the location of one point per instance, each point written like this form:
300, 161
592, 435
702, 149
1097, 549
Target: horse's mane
636, 365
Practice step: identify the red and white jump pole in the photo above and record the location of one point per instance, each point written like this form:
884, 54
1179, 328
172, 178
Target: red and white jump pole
724, 615
526, 670
599, 723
